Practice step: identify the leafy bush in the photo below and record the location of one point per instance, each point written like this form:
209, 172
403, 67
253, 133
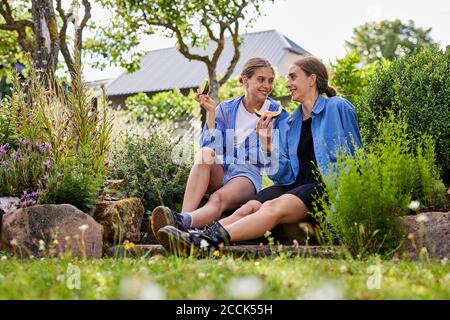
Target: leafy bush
73, 124
350, 77
369, 191
418, 86
147, 165
25, 171
163, 106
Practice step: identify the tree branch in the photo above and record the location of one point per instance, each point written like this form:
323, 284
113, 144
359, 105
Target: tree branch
236, 55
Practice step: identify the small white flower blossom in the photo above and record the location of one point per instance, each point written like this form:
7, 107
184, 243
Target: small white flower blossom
201, 275
343, 269
4, 258
41, 245
267, 234
83, 227
204, 244
421, 218
247, 287
414, 205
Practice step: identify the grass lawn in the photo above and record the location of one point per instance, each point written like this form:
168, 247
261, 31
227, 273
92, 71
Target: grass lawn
223, 278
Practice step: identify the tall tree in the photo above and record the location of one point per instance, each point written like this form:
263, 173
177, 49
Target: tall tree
388, 39
37, 29
193, 23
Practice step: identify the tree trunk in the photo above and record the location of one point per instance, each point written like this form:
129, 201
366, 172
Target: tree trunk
47, 37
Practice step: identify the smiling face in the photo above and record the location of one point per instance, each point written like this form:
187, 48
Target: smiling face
260, 84
300, 84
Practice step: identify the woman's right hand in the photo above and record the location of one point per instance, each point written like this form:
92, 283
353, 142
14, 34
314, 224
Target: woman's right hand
264, 131
206, 102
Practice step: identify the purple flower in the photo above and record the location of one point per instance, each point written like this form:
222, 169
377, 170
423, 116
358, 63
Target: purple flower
4, 148
47, 164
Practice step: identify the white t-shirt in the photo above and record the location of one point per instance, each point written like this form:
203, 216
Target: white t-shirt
246, 122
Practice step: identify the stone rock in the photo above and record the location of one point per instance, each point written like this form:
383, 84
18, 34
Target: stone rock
8, 204
52, 230
120, 219
432, 233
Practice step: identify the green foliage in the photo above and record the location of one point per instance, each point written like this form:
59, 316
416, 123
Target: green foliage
147, 166
369, 191
350, 77
418, 87
74, 184
25, 168
168, 105
388, 39
73, 124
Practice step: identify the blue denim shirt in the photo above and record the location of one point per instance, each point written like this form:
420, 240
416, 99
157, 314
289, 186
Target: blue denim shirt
247, 156
334, 129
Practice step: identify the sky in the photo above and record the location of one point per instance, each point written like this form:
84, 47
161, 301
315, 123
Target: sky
323, 26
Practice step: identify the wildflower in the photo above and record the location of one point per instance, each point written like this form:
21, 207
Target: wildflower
201, 275
414, 205
247, 287
129, 246
216, 253
324, 291
47, 165
204, 244
421, 218
83, 227
343, 268
257, 263
4, 258
138, 288
267, 234
55, 242
41, 245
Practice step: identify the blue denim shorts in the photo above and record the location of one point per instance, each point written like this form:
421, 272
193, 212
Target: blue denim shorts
243, 170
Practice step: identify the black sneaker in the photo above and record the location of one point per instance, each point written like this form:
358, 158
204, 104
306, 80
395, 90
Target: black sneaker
163, 216
194, 241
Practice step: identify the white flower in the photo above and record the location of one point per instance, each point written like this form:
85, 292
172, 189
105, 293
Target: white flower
204, 244
4, 258
201, 275
421, 218
414, 205
267, 234
248, 287
324, 291
83, 227
257, 263
343, 269
141, 288
152, 291
41, 245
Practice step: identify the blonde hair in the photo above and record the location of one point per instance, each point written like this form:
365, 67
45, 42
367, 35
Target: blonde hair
252, 65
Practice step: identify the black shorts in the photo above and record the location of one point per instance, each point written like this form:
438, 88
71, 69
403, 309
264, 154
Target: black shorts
309, 193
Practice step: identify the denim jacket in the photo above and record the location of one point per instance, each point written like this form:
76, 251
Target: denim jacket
334, 129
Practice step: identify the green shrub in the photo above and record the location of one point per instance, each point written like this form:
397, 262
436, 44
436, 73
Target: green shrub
164, 106
76, 128
25, 170
369, 191
146, 164
418, 86
350, 77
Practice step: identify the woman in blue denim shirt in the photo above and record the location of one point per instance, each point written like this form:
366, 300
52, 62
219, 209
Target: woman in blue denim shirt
306, 145
229, 162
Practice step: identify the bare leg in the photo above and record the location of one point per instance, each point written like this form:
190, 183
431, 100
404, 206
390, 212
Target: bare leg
285, 209
232, 195
206, 176
250, 207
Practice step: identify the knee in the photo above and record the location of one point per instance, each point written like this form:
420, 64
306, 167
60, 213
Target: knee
205, 156
217, 199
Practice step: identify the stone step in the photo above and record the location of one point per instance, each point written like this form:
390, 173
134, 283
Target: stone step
238, 251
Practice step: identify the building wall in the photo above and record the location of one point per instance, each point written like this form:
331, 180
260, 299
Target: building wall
287, 60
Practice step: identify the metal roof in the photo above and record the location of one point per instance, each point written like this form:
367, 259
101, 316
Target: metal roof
166, 69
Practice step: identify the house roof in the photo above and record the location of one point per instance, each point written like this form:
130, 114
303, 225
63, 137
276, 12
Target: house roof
166, 69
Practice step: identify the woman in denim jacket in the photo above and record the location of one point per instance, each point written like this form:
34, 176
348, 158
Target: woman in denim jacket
297, 157
229, 162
